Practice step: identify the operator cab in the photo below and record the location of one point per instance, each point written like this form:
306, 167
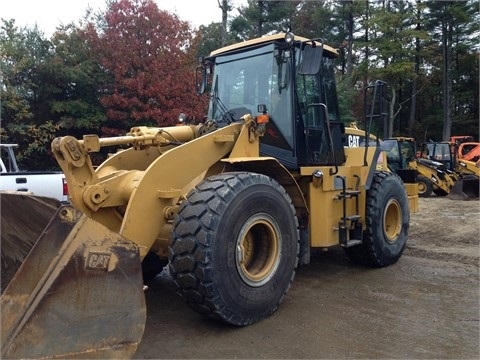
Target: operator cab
401, 152
440, 152
292, 80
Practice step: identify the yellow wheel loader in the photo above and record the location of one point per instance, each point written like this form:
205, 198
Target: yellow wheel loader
234, 204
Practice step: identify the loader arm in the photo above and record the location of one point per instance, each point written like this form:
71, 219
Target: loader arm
84, 298
466, 167
136, 192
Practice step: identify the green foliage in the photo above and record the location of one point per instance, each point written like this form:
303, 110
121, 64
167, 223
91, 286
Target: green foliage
134, 65
25, 116
210, 38
258, 18
76, 76
346, 100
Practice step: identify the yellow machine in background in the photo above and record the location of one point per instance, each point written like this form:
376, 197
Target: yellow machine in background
355, 137
460, 158
436, 175
233, 204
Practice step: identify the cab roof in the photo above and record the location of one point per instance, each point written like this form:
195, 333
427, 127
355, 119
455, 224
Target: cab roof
266, 39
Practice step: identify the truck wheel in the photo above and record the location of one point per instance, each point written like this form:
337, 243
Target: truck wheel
425, 186
387, 219
234, 247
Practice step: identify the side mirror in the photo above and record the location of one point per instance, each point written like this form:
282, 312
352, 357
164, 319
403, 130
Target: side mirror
201, 79
202, 74
262, 108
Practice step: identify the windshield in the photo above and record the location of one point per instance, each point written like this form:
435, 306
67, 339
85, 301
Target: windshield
245, 80
442, 152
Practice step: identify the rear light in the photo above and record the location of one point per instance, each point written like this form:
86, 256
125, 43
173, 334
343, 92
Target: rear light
263, 119
65, 187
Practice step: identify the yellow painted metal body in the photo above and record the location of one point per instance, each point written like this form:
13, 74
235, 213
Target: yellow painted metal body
354, 138
137, 191
412, 194
133, 198
325, 208
444, 182
466, 167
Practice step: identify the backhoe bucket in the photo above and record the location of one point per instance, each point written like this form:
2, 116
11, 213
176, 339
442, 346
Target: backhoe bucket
466, 188
78, 294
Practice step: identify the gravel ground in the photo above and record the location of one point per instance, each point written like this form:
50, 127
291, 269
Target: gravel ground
426, 306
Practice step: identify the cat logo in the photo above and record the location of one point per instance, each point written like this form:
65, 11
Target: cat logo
353, 141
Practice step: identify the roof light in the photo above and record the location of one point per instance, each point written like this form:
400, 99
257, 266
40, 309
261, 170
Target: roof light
182, 118
289, 37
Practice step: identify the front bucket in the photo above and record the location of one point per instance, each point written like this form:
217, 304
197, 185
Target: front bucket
466, 188
78, 294
24, 216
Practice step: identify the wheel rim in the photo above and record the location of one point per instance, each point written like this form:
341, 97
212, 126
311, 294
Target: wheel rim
421, 187
392, 220
258, 249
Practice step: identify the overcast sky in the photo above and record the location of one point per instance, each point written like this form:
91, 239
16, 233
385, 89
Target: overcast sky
48, 14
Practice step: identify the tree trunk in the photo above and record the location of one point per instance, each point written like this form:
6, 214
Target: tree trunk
350, 25
446, 81
367, 49
260, 19
413, 107
225, 7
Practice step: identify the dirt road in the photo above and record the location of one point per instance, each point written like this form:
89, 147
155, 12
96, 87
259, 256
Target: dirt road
425, 306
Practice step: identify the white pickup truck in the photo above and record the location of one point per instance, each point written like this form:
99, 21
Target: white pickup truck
49, 184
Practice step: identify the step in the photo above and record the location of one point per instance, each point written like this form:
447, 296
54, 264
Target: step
352, 242
349, 194
352, 217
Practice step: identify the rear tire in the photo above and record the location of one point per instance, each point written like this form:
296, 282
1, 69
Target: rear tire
387, 218
234, 247
425, 186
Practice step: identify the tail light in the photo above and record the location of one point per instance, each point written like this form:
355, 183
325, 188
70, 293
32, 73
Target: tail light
263, 119
65, 187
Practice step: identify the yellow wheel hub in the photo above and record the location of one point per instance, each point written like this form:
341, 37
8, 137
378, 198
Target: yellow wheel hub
258, 249
392, 220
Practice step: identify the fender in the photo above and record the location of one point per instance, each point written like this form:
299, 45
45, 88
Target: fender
271, 167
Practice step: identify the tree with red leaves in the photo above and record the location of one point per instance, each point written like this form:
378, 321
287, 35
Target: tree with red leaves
150, 56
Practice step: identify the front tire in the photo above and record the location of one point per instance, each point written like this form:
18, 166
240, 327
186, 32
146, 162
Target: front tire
234, 247
387, 218
425, 186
